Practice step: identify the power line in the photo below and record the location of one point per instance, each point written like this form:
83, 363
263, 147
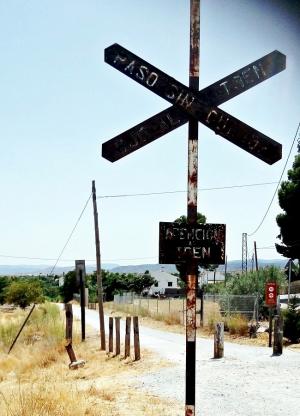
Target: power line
181, 191
71, 233
68, 260
36, 258
276, 189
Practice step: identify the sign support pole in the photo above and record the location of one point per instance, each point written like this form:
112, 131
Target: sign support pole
192, 267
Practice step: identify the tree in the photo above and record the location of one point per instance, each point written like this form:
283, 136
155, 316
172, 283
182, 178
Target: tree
181, 267
291, 325
250, 284
115, 283
289, 220
4, 282
24, 292
50, 287
142, 282
201, 219
69, 287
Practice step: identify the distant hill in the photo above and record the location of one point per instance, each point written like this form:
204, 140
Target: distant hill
141, 268
17, 270
236, 265
35, 270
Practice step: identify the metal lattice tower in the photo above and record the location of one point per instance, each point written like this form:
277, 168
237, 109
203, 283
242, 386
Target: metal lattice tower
244, 253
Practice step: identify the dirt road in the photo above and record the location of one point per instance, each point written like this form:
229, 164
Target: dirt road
248, 381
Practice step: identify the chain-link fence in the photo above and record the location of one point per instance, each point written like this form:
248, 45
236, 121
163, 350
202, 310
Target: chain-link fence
246, 305
214, 307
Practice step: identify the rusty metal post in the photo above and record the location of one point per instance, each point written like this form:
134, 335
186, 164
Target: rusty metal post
192, 267
99, 272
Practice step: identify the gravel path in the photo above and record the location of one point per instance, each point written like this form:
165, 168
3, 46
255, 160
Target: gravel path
248, 381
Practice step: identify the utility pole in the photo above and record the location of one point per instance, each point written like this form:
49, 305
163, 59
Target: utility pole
255, 256
99, 273
244, 253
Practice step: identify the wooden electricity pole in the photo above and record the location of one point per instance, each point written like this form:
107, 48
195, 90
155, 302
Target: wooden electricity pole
99, 274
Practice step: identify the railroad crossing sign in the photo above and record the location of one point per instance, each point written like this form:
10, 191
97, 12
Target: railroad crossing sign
187, 103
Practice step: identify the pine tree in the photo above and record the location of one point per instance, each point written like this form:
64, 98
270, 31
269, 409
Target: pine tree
289, 220
291, 326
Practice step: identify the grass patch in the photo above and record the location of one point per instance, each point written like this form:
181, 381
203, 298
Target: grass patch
237, 325
35, 379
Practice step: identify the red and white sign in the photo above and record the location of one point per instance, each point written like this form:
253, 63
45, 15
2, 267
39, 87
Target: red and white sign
271, 294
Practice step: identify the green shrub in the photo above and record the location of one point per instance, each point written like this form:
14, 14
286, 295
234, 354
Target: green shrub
291, 323
24, 292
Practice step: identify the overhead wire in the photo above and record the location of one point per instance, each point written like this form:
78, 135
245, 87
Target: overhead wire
181, 191
71, 233
69, 260
149, 194
37, 258
278, 184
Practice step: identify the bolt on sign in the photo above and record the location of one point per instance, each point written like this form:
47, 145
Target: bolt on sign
202, 105
271, 294
202, 243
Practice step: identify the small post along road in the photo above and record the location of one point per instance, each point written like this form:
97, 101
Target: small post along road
189, 105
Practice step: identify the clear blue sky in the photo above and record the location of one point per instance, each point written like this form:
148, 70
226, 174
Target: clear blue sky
59, 102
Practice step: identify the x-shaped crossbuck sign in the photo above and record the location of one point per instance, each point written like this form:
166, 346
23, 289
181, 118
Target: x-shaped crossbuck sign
202, 105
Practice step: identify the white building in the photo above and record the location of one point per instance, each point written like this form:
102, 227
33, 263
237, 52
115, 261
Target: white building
164, 280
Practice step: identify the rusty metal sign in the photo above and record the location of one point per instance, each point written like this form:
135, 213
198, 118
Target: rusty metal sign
172, 118
194, 105
202, 243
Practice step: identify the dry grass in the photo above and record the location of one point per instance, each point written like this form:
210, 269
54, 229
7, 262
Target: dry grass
237, 329
237, 325
35, 379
